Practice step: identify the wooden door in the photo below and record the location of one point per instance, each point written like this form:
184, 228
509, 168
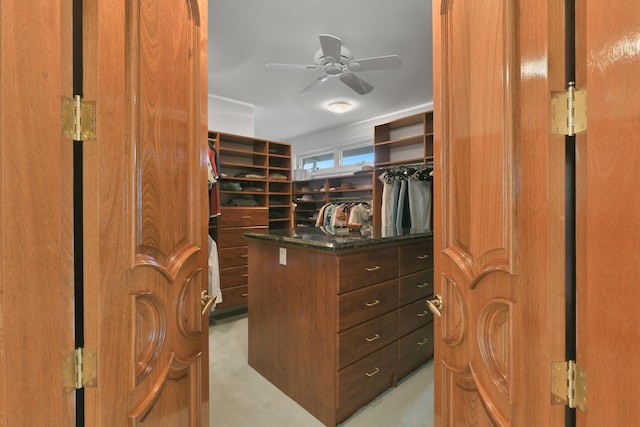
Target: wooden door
146, 214
36, 214
608, 211
499, 197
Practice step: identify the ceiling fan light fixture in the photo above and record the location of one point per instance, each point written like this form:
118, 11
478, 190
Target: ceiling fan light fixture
339, 107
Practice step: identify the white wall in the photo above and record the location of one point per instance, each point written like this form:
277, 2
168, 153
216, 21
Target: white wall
348, 134
236, 117
230, 116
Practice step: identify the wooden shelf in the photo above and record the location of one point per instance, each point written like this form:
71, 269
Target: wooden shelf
407, 140
239, 154
329, 190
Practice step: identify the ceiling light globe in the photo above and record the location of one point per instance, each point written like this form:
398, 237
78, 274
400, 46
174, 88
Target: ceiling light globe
339, 107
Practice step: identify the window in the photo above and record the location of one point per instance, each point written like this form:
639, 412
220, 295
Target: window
337, 160
358, 155
320, 161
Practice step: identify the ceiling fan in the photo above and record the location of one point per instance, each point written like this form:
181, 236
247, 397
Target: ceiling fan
337, 61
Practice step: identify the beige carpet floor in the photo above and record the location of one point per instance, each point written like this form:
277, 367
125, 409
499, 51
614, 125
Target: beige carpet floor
240, 397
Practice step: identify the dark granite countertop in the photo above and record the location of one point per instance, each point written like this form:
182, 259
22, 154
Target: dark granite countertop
321, 238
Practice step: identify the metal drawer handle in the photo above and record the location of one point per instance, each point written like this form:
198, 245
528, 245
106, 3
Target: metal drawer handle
375, 337
423, 285
245, 295
423, 342
372, 373
244, 256
377, 267
246, 217
245, 275
425, 256
424, 313
371, 304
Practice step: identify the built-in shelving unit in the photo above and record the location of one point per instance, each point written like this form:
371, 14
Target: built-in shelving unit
402, 142
255, 196
310, 195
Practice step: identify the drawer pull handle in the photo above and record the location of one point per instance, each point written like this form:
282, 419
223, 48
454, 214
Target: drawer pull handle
375, 337
372, 373
423, 285
424, 313
244, 256
377, 267
371, 304
425, 256
423, 342
245, 295
246, 217
245, 275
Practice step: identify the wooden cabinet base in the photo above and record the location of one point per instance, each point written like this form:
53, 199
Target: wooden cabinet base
326, 326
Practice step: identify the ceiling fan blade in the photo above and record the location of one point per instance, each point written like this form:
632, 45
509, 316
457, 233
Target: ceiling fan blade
331, 46
356, 83
291, 66
316, 83
389, 62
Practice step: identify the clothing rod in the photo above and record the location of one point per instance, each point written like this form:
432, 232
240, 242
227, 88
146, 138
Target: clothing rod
406, 165
351, 199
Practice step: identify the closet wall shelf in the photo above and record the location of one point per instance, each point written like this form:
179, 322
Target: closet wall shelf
402, 142
400, 163
239, 154
248, 167
234, 178
358, 187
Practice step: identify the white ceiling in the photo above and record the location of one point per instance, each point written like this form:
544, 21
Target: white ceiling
244, 35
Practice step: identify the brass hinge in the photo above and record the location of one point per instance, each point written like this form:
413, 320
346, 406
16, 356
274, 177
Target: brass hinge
569, 111
78, 119
569, 385
80, 369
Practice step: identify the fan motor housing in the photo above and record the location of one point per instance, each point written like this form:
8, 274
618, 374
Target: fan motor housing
345, 56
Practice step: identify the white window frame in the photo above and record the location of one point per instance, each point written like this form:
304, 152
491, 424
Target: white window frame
339, 168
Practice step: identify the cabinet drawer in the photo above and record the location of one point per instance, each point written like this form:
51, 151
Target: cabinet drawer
234, 276
234, 237
233, 257
416, 286
360, 269
415, 349
363, 381
413, 316
244, 217
232, 297
359, 306
416, 257
361, 340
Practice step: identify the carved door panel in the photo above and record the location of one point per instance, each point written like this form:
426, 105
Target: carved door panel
146, 212
498, 226
608, 211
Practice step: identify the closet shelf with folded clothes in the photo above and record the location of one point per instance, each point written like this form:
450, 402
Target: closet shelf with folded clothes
312, 194
255, 195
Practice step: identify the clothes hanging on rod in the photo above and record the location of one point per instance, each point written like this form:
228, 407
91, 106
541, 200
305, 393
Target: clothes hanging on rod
342, 214
213, 166
414, 165
406, 197
214, 273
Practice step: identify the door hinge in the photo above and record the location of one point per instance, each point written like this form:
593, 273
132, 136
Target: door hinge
78, 119
569, 385
80, 369
569, 111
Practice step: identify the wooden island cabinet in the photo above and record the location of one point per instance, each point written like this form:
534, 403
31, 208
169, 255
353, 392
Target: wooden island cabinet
334, 321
